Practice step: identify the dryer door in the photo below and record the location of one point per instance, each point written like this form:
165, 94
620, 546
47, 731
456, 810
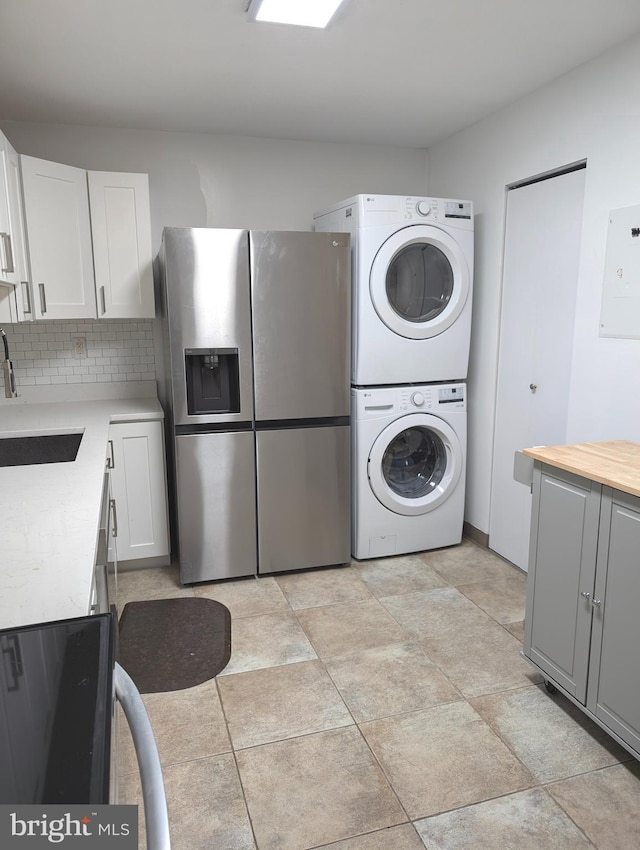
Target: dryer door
415, 464
419, 282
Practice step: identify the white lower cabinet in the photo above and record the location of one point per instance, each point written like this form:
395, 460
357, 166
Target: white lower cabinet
138, 487
582, 629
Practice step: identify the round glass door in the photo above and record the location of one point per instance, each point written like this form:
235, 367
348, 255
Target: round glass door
414, 464
419, 282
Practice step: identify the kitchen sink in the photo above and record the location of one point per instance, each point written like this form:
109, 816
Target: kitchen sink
39, 448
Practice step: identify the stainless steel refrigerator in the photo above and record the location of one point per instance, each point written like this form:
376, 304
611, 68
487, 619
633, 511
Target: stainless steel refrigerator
256, 332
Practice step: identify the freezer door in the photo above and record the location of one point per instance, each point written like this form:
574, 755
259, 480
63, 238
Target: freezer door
216, 505
207, 314
301, 284
303, 498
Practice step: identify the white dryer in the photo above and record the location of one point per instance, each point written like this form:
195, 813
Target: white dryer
408, 466
412, 276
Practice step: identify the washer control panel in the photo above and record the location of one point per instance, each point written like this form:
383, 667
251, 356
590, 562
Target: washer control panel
431, 397
382, 402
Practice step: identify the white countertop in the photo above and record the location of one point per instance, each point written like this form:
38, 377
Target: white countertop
50, 513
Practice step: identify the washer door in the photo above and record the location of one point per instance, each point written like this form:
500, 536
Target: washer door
415, 464
419, 282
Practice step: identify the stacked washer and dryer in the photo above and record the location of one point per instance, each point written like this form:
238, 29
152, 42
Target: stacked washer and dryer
412, 274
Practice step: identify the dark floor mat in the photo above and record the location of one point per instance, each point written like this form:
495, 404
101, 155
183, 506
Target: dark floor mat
170, 644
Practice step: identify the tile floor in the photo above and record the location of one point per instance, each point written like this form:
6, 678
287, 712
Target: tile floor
381, 706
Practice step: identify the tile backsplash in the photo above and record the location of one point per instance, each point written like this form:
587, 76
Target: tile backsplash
118, 350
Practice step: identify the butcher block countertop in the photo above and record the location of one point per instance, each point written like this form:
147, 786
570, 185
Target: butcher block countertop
615, 463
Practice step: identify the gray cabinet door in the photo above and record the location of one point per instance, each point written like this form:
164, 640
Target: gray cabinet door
614, 677
564, 537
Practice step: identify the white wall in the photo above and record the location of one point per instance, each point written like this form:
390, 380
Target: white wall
593, 113
200, 180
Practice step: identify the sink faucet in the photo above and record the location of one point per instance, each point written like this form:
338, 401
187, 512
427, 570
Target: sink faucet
7, 370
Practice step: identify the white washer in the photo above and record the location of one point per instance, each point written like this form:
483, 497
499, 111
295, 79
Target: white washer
412, 275
408, 466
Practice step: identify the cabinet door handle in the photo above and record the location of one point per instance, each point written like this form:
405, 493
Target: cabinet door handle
596, 603
110, 459
7, 253
585, 594
114, 511
103, 300
26, 296
43, 298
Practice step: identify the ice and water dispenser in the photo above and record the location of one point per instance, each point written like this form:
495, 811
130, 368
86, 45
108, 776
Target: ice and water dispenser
213, 384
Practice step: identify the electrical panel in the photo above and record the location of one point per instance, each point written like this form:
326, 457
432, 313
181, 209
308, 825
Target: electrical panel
620, 316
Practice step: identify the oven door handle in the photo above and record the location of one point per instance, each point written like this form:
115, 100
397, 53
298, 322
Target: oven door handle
155, 802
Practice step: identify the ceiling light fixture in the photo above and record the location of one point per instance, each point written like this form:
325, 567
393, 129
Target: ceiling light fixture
302, 13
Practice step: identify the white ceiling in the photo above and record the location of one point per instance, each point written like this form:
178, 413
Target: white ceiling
405, 72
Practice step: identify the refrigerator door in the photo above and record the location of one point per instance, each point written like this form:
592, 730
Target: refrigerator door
303, 492
216, 503
207, 309
300, 283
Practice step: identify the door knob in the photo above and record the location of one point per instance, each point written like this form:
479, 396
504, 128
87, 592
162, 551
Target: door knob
533, 387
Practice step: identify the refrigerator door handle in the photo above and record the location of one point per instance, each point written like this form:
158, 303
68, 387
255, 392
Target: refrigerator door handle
155, 802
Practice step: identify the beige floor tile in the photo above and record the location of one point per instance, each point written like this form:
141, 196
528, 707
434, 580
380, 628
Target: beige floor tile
604, 804
349, 627
442, 758
389, 680
205, 802
467, 562
529, 820
516, 629
130, 794
552, 737
206, 805
471, 649
316, 789
395, 838
156, 583
281, 702
322, 587
435, 613
245, 597
502, 598
484, 662
187, 724
391, 576
267, 640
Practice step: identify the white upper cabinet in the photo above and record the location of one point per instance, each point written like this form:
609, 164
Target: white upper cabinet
121, 229
59, 235
14, 293
89, 241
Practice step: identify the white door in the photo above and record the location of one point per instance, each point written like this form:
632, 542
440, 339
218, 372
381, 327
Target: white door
121, 232
541, 256
56, 204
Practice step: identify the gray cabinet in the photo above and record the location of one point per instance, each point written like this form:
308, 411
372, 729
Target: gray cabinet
613, 694
581, 627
